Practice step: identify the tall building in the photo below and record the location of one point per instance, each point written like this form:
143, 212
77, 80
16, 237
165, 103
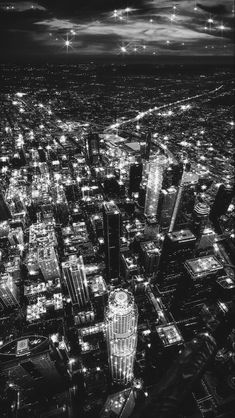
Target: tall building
135, 177
111, 220
177, 247
93, 147
48, 263
154, 184
200, 219
9, 294
197, 284
119, 404
150, 254
76, 281
4, 210
121, 318
222, 201
184, 202
165, 207
148, 142
172, 175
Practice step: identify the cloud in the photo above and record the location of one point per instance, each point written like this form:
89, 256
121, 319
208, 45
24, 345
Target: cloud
215, 9
94, 25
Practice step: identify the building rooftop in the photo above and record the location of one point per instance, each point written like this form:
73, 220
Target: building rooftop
202, 266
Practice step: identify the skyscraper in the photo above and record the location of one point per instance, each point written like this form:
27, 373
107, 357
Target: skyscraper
135, 177
177, 247
9, 295
48, 263
154, 184
200, 218
75, 277
184, 201
112, 218
121, 318
222, 201
93, 147
165, 207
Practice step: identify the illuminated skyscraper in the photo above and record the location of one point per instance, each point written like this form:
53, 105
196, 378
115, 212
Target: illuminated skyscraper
165, 207
75, 277
112, 218
154, 184
200, 218
9, 295
184, 202
48, 263
121, 318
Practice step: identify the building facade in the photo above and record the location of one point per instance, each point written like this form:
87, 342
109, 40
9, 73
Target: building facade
121, 332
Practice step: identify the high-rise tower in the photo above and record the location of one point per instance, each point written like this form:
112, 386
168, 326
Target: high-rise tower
93, 147
200, 218
9, 294
135, 177
184, 202
154, 184
75, 277
165, 207
112, 218
222, 201
48, 262
121, 318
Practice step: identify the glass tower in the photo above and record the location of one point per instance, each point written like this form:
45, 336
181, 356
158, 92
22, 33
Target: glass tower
112, 220
121, 318
75, 277
154, 184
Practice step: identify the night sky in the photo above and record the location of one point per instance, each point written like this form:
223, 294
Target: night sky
101, 28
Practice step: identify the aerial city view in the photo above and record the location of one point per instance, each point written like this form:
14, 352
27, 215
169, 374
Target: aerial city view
117, 208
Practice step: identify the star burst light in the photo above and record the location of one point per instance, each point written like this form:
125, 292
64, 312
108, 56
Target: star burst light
127, 47
67, 43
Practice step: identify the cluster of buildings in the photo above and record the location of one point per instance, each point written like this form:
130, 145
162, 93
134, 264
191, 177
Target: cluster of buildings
114, 265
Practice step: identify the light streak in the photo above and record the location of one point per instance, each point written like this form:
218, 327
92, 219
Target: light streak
141, 115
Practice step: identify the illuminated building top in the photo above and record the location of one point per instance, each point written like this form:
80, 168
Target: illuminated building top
202, 266
121, 301
182, 235
169, 335
23, 347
